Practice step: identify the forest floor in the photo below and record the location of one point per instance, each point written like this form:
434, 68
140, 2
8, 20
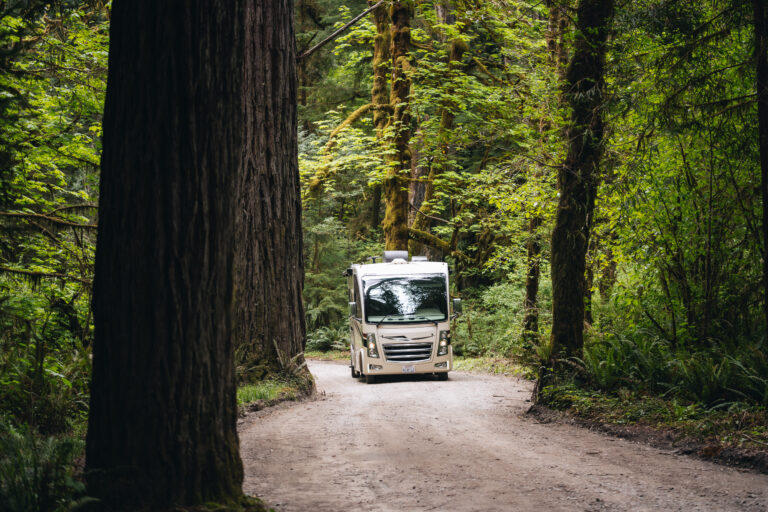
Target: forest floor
414, 443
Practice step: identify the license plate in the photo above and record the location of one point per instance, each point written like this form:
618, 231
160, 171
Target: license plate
409, 369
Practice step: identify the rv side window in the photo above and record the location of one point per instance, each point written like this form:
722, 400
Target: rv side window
413, 298
357, 300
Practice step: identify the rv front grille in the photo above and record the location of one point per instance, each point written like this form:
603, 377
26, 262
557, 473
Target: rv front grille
407, 352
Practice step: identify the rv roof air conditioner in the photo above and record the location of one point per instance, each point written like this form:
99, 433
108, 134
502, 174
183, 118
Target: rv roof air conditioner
391, 256
416, 259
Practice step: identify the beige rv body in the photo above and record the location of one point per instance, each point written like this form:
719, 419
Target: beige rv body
398, 344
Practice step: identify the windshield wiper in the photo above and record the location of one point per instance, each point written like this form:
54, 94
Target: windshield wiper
425, 318
383, 320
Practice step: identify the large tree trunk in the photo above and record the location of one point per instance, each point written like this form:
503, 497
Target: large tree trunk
395, 186
578, 177
184, 104
380, 90
761, 57
270, 265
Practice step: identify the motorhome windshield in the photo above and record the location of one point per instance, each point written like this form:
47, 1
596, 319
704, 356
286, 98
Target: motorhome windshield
416, 298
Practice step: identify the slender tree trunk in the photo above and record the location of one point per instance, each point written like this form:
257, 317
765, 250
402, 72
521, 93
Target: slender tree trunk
423, 221
556, 26
270, 265
380, 90
178, 127
578, 177
761, 57
395, 187
533, 264
589, 279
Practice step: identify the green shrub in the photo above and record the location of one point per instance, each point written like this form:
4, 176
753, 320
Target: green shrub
714, 375
491, 323
44, 366
324, 339
37, 473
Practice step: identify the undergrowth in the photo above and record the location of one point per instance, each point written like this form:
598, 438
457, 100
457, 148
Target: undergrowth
272, 390
739, 424
38, 472
717, 375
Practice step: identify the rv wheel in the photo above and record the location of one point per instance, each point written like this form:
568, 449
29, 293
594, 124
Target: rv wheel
442, 376
354, 373
369, 379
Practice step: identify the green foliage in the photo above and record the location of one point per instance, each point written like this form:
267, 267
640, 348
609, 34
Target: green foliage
265, 390
37, 473
492, 322
44, 365
717, 376
52, 82
324, 339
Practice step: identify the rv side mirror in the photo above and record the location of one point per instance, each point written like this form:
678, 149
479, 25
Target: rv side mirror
353, 309
456, 306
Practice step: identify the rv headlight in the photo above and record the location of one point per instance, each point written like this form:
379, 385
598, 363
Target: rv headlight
445, 340
371, 344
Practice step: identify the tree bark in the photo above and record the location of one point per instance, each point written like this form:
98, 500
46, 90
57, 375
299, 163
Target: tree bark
557, 24
394, 188
760, 11
269, 246
380, 91
578, 177
533, 264
186, 97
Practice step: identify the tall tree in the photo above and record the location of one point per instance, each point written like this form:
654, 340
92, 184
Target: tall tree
395, 187
557, 25
379, 97
760, 11
189, 87
269, 245
422, 221
579, 175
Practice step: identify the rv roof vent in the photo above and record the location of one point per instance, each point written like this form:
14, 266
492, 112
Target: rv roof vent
390, 256
419, 258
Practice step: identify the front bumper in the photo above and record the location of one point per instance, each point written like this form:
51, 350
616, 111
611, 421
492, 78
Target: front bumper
379, 366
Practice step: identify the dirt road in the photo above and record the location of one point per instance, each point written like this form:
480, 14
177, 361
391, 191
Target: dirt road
405, 444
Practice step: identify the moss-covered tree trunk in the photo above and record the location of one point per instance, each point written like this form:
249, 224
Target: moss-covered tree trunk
579, 176
395, 186
189, 86
382, 65
269, 246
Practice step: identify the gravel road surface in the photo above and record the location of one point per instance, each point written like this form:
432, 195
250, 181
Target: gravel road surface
415, 443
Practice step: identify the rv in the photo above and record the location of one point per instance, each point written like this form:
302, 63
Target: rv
399, 317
